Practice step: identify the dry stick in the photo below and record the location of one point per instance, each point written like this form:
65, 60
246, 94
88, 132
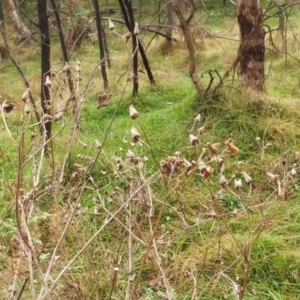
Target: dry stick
123, 225
194, 295
216, 205
36, 178
76, 119
160, 214
5, 172
235, 286
16, 275
20, 215
217, 275
76, 116
147, 28
90, 168
127, 297
157, 258
98, 232
22, 289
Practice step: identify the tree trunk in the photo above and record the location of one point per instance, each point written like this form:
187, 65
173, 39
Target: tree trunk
45, 62
146, 63
251, 53
20, 27
185, 26
281, 28
170, 23
129, 20
63, 45
100, 42
106, 51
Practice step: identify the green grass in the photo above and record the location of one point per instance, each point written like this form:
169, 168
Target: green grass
205, 230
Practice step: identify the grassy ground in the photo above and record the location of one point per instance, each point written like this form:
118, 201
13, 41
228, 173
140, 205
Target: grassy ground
183, 236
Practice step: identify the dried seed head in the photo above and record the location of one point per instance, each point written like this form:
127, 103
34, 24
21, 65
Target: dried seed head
268, 145
213, 148
66, 67
111, 25
201, 130
211, 214
177, 154
78, 69
46, 118
223, 182
84, 145
197, 119
187, 164
130, 154
58, 116
135, 135
80, 156
7, 106
208, 171
238, 184
232, 148
126, 36
280, 189
136, 30
103, 99
27, 108
133, 112
98, 144
258, 139
218, 160
247, 177
141, 70
193, 140
273, 176
26, 95
48, 82
78, 166
77, 77
202, 166
293, 171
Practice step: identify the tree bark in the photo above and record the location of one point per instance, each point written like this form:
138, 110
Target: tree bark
45, 62
63, 45
129, 21
170, 23
185, 26
101, 44
251, 52
20, 27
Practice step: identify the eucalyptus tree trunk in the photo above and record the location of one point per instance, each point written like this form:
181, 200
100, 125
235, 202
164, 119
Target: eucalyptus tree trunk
129, 20
20, 27
251, 52
137, 47
185, 26
63, 44
100, 42
45, 62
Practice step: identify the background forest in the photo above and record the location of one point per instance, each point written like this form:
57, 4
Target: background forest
149, 149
